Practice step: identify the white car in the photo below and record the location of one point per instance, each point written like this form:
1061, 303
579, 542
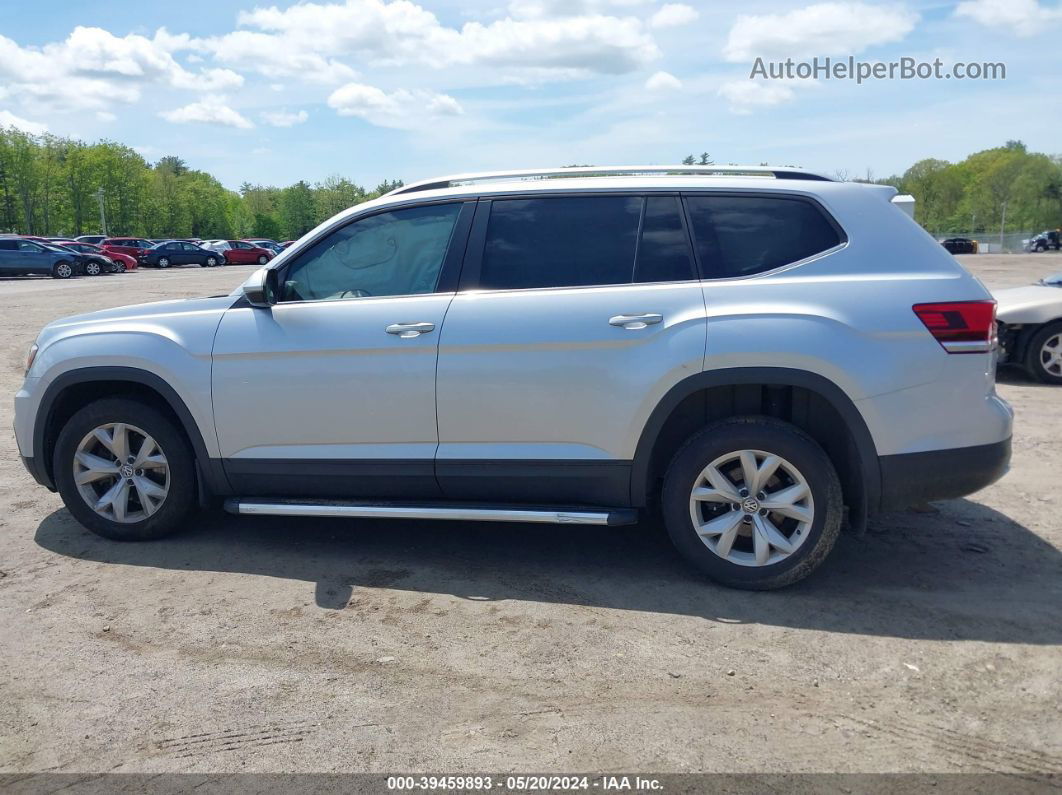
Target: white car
220, 246
1030, 327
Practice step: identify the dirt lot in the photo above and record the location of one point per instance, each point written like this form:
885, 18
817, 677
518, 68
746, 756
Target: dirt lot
930, 644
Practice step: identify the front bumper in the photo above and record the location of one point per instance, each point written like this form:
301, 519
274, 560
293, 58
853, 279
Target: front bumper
914, 478
33, 466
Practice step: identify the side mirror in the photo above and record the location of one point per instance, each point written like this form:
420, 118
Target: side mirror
261, 289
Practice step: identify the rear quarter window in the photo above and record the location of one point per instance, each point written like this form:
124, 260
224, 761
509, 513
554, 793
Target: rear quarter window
745, 235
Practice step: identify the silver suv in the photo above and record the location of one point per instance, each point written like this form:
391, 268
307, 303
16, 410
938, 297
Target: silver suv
763, 356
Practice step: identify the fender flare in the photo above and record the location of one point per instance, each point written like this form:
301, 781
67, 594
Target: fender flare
771, 376
210, 469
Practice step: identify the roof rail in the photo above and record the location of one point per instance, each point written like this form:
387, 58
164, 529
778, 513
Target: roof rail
606, 171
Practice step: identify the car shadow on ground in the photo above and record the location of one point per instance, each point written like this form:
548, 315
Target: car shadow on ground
960, 572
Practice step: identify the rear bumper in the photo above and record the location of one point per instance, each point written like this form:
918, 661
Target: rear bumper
913, 478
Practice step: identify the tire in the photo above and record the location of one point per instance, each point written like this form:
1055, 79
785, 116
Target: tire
722, 443
164, 262
93, 269
1038, 359
141, 524
212, 262
263, 259
62, 270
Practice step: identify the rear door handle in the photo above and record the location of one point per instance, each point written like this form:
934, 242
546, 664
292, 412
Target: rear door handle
409, 330
635, 322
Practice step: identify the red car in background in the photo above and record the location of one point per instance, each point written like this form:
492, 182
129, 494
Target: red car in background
135, 247
240, 252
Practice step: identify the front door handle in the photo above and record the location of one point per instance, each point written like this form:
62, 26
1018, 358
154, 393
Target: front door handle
409, 330
635, 322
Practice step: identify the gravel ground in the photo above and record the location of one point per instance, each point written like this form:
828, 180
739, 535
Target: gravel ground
930, 644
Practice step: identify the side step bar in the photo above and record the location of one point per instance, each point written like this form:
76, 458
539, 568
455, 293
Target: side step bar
459, 512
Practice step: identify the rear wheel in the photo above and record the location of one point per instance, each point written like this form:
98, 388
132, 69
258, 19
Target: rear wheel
62, 270
1043, 357
124, 470
262, 259
753, 502
164, 262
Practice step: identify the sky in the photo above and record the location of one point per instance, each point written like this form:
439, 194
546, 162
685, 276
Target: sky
410, 89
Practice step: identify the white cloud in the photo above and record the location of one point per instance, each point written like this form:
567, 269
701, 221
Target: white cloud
9, 119
530, 9
94, 69
820, 29
209, 110
1023, 17
672, 15
663, 81
745, 96
401, 109
282, 118
275, 55
309, 40
104, 115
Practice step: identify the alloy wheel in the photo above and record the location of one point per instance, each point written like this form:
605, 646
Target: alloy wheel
1051, 355
121, 472
752, 508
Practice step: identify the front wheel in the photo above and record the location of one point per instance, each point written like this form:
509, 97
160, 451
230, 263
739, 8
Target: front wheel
263, 259
93, 269
124, 470
1043, 357
62, 270
211, 262
753, 502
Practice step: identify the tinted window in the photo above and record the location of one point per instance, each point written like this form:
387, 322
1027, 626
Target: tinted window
8, 245
560, 242
395, 253
664, 250
741, 235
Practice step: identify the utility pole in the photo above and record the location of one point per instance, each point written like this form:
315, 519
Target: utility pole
1002, 225
103, 216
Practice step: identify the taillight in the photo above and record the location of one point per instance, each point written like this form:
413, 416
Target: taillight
961, 326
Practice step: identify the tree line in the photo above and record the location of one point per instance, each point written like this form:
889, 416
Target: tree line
1006, 187
53, 186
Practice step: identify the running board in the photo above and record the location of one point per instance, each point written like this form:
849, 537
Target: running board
458, 512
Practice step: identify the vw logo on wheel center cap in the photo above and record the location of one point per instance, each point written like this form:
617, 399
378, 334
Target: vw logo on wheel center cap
126, 470
750, 505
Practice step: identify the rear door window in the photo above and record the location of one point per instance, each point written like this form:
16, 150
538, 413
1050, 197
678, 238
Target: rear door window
566, 241
744, 235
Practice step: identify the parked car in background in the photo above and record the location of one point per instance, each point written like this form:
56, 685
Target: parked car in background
265, 242
1045, 241
135, 247
240, 252
22, 257
286, 243
1030, 328
960, 245
180, 252
119, 262
92, 263
220, 246
96, 239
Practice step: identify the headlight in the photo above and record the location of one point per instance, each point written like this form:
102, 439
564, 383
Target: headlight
31, 356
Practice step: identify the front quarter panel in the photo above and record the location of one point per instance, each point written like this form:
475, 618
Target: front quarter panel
172, 341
